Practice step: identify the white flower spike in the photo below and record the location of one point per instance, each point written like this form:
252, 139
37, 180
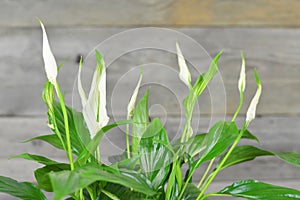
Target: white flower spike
242, 80
133, 98
49, 60
94, 107
252, 108
184, 73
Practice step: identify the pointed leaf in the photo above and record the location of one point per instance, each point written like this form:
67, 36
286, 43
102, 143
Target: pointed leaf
51, 139
218, 139
242, 154
289, 157
22, 190
67, 182
37, 158
42, 175
93, 144
252, 189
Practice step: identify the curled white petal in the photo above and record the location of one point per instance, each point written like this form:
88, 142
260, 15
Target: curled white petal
133, 98
79, 86
252, 108
184, 73
94, 110
49, 60
242, 79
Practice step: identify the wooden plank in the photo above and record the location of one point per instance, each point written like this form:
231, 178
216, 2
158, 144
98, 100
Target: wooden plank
275, 133
274, 52
151, 13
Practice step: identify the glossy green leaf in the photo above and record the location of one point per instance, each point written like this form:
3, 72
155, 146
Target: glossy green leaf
242, 154
289, 157
42, 175
80, 135
51, 139
37, 158
218, 139
93, 144
252, 189
67, 182
155, 158
140, 121
201, 84
22, 190
248, 135
191, 192
195, 145
125, 193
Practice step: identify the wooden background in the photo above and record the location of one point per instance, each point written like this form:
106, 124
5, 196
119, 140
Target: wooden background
267, 31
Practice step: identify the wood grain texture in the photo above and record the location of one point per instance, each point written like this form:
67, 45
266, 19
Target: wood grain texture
275, 133
274, 52
151, 13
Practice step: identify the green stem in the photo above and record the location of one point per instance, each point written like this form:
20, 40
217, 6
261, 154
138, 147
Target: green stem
98, 155
239, 107
66, 123
206, 180
205, 173
127, 140
214, 174
90, 191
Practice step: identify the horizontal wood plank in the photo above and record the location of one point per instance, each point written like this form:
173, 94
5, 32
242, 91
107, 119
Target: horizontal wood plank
274, 52
151, 13
275, 133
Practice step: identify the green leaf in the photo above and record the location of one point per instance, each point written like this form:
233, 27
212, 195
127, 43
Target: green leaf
252, 189
122, 192
242, 154
248, 135
195, 145
80, 135
68, 182
218, 139
140, 121
22, 190
42, 175
247, 152
289, 157
191, 192
200, 85
37, 158
93, 144
51, 139
155, 158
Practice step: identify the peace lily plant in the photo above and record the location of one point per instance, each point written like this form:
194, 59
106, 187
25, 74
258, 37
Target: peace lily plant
151, 166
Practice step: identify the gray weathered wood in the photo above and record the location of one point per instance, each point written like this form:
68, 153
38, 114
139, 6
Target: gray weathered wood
274, 52
151, 12
275, 133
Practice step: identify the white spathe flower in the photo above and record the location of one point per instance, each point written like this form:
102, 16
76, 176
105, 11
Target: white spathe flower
94, 107
252, 108
49, 60
133, 98
184, 73
242, 80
